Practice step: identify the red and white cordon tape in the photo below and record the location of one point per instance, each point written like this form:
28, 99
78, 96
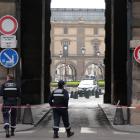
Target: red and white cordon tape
37, 107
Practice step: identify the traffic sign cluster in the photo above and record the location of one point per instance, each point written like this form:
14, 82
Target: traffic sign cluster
8, 26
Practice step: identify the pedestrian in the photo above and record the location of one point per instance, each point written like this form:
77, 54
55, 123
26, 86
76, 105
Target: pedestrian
60, 98
10, 92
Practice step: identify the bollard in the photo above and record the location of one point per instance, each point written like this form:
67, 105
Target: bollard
93, 92
76, 94
81, 93
27, 116
71, 96
88, 95
100, 92
96, 94
84, 93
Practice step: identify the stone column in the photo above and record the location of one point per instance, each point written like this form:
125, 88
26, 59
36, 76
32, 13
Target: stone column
135, 113
7, 7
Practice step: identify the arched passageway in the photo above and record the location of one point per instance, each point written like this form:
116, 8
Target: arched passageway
63, 70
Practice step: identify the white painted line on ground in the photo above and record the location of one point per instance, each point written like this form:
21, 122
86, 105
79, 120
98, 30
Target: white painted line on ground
61, 130
120, 133
87, 130
25, 132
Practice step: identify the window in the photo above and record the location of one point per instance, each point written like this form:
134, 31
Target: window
94, 72
94, 66
95, 31
96, 47
65, 30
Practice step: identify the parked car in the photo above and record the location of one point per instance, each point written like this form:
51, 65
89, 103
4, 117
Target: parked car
56, 79
87, 85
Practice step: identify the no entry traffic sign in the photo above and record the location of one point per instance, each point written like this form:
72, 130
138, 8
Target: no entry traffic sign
137, 54
8, 25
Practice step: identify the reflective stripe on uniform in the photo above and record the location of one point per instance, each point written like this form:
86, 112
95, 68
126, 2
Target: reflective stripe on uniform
6, 124
58, 94
67, 127
56, 127
58, 91
10, 89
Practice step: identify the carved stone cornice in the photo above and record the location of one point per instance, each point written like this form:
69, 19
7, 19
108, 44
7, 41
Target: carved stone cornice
65, 39
95, 41
77, 26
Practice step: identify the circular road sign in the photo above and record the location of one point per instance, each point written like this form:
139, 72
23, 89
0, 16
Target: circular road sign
8, 58
137, 54
8, 25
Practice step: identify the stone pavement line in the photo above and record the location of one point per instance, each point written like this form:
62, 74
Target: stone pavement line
41, 116
26, 132
61, 130
87, 130
120, 133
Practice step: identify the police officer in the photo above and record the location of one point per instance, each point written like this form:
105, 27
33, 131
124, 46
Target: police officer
60, 98
10, 92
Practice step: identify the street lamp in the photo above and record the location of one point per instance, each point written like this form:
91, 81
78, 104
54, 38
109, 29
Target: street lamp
65, 45
98, 53
83, 52
60, 63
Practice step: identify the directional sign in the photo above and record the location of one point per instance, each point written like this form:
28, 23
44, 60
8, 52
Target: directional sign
8, 25
8, 41
8, 58
137, 54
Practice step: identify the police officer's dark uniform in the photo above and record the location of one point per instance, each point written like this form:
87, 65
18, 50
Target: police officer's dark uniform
10, 92
60, 99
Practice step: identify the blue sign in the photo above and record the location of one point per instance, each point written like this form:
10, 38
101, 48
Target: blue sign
8, 58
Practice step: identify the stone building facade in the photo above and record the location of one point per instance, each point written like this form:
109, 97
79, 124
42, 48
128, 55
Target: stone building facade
77, 27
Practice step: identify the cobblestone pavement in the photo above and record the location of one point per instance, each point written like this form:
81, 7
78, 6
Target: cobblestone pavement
88, 124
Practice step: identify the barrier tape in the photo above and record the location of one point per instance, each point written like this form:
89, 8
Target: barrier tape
37, 107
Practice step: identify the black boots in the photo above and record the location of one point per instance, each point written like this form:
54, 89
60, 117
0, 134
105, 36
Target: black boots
7, 133
55, 134
12, 132
69, 133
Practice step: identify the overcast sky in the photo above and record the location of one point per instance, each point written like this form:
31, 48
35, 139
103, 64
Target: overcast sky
78, 4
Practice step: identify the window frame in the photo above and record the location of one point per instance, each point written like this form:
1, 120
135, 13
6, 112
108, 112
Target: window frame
95, 31
65, 31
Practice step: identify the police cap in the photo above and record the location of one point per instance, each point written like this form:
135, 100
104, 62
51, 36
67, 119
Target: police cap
61, 82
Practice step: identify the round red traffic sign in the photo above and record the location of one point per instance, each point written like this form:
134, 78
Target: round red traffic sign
137, 54
8, 25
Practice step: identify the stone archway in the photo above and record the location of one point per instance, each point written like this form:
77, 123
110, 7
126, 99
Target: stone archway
72, 66
102, 68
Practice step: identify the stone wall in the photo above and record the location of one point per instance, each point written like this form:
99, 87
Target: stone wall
6, 8
135, 113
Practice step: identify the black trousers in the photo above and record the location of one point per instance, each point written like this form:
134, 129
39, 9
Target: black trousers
57, 112
13, 115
